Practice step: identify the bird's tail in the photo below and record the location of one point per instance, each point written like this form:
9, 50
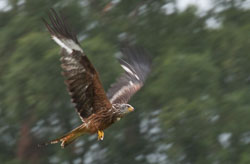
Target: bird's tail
67, 138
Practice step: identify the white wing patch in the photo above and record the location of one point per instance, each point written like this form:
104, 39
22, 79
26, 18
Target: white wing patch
130, 72
125, 89
68, 44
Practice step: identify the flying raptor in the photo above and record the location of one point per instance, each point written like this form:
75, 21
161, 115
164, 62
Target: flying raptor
96, 109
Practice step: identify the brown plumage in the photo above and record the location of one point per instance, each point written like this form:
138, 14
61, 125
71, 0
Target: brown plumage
96, 109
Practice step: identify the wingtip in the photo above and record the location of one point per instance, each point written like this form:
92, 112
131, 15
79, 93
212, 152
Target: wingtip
136, 61
60, 31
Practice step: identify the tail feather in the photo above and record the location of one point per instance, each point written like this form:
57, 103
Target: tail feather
67, 138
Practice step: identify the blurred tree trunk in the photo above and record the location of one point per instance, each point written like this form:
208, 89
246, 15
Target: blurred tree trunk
27, 143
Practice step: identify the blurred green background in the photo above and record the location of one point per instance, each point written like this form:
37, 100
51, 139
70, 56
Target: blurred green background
194, 108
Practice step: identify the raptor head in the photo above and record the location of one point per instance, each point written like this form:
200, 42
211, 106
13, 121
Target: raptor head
126, 108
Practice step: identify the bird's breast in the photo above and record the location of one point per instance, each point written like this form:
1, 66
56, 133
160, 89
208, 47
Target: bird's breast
101, 120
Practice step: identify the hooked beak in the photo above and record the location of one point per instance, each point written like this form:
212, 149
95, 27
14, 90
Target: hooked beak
131, 109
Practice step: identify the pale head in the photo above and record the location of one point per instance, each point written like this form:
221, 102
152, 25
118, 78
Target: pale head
126, 108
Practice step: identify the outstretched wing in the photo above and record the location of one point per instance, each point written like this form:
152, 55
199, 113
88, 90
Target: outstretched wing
137, 65
82, 79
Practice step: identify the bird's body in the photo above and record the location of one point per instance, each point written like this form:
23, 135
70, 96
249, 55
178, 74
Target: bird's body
96, 109
96, 123
102, 120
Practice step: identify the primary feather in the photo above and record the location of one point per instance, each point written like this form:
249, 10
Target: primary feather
136, 65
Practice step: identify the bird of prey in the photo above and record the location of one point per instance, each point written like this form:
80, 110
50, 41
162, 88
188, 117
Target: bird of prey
96, 109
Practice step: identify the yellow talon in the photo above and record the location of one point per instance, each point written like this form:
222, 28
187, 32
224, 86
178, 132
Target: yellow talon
100, 135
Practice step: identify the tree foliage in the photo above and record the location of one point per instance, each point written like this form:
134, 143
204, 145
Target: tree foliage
193, 109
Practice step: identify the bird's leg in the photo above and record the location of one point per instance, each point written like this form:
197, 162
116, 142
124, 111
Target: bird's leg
100, 135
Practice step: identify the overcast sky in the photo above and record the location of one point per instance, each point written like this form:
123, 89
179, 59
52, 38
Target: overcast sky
203, 5
3, 4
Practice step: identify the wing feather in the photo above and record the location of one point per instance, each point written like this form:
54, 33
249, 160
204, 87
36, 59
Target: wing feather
136, 65
81, 78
